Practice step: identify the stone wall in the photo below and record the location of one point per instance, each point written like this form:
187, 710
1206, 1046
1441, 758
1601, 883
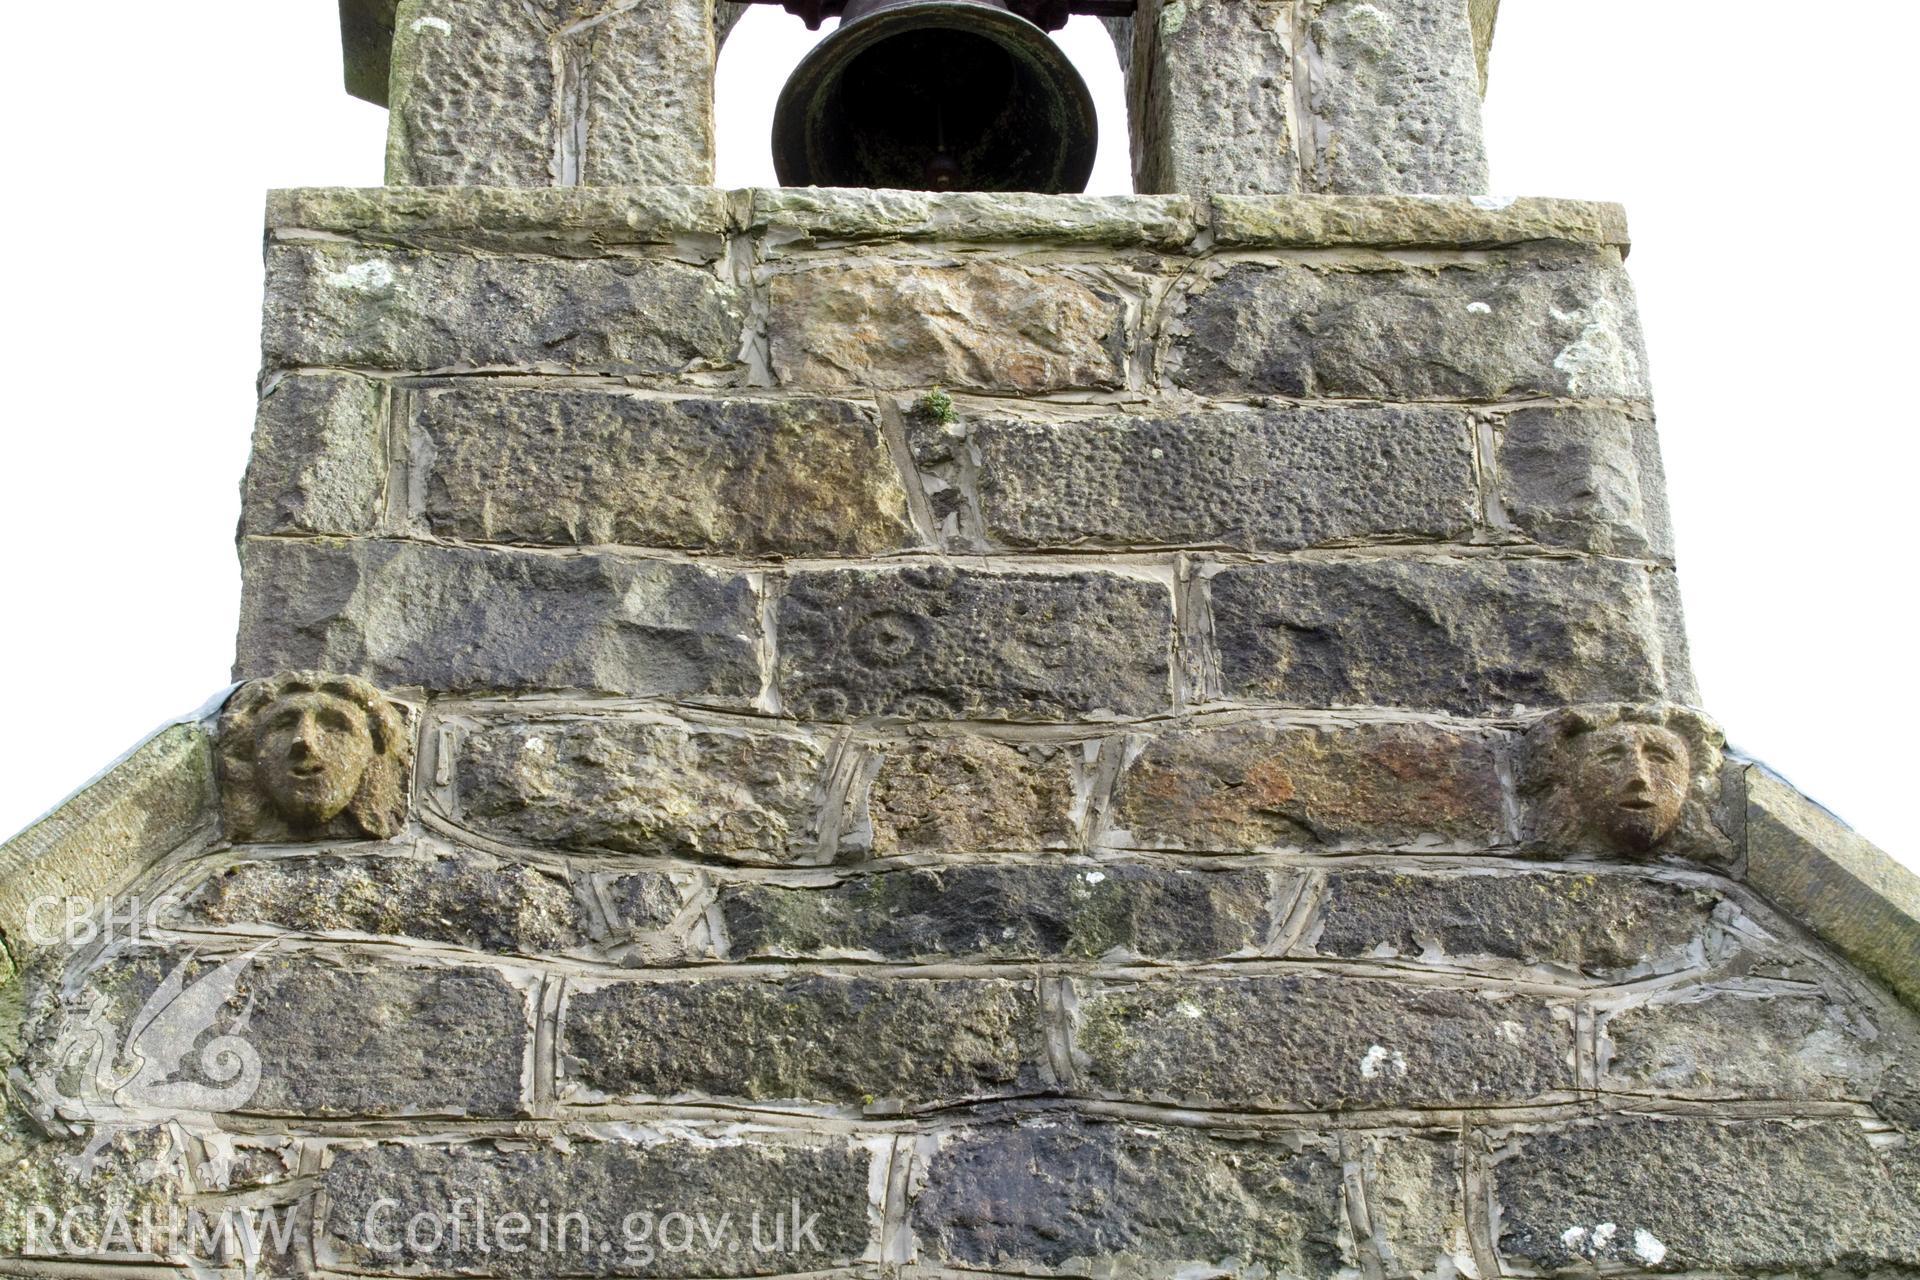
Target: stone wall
840, 456
1013, 736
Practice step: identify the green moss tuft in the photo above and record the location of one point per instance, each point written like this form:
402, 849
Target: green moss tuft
937, 406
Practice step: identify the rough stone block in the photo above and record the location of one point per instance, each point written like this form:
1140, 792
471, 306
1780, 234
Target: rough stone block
592, 1190
1304, 1042
1074, 912
1412, 1188
1277, 479
1211, 97
1711, 1045
1064, 1195
1470, 635
358, 1040
388, 308
878, 1043
1562, 325
646, 95
1393, 98
977, 326
264, 1162
1590, 479
946, 643
645, 787
642, 901
459, 619
475, 97
455, 897
583, 467
1694, 1194
1243, 788
134, 1173
319, 457
972, 795
316, 1036
1608, 928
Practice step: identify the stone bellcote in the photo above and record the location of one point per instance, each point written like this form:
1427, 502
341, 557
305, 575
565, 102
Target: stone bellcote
1238, 97
1035, 735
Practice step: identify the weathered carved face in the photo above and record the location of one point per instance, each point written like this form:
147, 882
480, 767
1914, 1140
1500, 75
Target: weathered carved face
311, 751
1631, 781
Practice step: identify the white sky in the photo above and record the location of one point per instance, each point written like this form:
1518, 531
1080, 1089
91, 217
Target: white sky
1766, 164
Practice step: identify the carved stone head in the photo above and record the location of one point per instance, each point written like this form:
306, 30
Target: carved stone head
1632, 780
1622, 779
313, 756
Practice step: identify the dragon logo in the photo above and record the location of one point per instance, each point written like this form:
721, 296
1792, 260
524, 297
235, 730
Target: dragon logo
184, 1053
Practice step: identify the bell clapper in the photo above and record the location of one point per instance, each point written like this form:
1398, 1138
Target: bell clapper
943, 171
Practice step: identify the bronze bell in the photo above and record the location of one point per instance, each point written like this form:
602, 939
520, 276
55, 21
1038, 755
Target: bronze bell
936, 95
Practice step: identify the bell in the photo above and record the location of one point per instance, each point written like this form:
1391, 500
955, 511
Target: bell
935, 95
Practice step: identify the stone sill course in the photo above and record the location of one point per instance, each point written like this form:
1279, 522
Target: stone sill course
615, 216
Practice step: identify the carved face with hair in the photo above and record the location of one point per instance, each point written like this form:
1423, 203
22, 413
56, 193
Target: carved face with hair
307, 754
1625, 778
310, 752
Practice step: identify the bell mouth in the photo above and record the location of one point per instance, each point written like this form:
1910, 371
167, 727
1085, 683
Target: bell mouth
937, 96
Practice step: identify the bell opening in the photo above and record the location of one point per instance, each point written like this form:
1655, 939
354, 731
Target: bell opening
937, 104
